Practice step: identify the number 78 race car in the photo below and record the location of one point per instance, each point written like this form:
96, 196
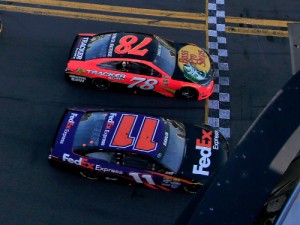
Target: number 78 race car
141, 62
138, 149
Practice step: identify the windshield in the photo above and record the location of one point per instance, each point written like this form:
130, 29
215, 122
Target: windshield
166, 56
173, 155
88, 131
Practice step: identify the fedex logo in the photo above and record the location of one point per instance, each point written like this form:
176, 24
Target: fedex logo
80, 162
204, 146
69, 124
110, 121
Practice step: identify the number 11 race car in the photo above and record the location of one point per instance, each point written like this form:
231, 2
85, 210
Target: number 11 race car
141, 62
138, 149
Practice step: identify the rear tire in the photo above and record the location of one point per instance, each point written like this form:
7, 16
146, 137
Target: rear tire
187, 93
88, 174
101, 84
192, 189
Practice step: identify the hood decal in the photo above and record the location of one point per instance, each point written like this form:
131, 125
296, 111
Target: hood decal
131, 132
194, 62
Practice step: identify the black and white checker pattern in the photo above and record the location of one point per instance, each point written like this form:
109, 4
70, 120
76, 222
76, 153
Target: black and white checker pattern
219, 102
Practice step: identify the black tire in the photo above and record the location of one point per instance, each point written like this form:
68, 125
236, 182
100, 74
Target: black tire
101, 84
192, 189
67, 77
89, 175
187, 93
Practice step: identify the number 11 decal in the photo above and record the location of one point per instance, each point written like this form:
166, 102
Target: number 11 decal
143, 140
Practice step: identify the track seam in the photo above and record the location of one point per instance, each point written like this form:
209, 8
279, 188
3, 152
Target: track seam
219, 102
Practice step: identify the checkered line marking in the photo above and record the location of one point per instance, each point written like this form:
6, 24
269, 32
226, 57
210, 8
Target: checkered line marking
219, 102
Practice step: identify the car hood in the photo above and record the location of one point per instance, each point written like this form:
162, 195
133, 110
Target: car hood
206, 152
193, 64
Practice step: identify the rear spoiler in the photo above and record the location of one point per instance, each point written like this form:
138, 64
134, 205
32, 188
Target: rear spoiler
79, 46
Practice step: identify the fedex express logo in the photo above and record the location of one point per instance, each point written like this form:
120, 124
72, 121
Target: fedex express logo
83, 162
69, 125
205, 145
109, 124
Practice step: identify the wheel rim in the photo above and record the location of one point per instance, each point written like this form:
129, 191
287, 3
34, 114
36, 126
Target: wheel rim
101, 84
187, 93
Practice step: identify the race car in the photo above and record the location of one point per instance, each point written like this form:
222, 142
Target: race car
142, 63
135, 148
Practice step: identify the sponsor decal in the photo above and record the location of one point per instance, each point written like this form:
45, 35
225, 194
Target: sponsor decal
111, 45
159, 50
80, 71
109, 124
77, 78
79, 51
194, 62
107, 170
83, 162
171, 182
204, 146
69, 125
165, 82
216, 140
112, 76
166, 138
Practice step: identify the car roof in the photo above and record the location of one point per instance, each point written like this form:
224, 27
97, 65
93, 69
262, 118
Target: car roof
104, 45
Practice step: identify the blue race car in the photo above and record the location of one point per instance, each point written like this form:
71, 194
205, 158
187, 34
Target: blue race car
158, 152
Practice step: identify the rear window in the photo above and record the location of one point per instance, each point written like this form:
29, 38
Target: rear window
98, 46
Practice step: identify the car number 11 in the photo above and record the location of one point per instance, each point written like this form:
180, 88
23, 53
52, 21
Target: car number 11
146, 84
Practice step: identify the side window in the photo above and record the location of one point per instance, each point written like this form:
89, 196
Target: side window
113, 65
130, 67
133, 160
96, 154
105, 156
147, 70
140, 162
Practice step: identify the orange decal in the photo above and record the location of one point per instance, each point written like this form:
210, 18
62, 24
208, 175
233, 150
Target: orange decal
122, 138
148, 129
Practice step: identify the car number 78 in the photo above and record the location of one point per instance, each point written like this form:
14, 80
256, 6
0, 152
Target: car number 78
147, 84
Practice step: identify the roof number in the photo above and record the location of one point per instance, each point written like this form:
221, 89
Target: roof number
126, 45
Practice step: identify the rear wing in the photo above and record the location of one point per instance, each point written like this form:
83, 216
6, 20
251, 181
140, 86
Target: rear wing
79, 45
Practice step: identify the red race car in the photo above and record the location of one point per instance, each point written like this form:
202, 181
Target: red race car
141, 62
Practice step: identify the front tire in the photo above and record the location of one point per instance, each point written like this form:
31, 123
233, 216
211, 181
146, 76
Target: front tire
187, 93
101, 84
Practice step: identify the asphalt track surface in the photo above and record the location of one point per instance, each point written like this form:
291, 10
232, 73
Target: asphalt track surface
33, 95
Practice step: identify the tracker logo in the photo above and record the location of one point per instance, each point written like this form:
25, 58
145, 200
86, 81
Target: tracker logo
80, 51
80, 162
204, 145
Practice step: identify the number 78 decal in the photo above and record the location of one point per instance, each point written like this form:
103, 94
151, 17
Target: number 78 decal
147, 84
144, 139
